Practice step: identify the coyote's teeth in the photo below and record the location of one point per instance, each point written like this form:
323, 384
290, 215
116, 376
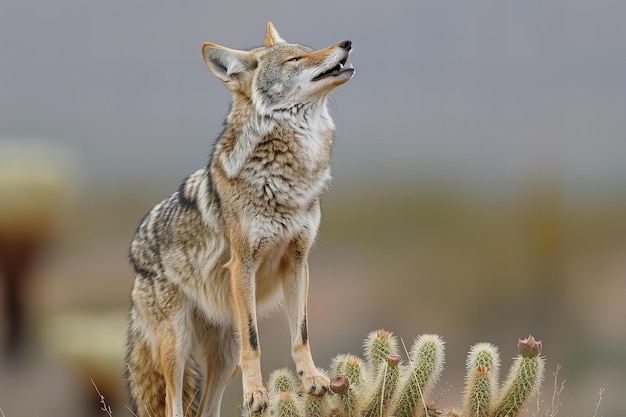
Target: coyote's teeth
334, 71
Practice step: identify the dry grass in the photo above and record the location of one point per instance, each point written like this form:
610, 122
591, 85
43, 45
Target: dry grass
555, 402
600, 393
104, 407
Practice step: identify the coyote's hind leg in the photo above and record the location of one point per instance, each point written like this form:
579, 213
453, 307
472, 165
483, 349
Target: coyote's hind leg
218, 354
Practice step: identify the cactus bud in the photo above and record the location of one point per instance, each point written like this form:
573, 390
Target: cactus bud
529, 347
339, 384
393, 360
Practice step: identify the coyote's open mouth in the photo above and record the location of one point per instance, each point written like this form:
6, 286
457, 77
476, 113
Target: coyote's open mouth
336, 70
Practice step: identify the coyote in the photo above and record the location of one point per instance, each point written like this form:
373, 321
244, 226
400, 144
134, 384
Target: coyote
234, 239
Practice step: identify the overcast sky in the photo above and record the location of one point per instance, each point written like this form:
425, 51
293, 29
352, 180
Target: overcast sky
475, 91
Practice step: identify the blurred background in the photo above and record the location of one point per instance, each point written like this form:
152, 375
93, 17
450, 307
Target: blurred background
479, 182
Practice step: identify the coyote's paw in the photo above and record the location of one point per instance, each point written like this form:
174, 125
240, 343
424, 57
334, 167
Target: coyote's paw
316, 384
255, 400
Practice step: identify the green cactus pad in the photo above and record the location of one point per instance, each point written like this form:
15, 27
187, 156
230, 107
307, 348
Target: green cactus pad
481, 381
378, 345
282, 380
425, 365
284, 405
522, 383
385, 387
316, 405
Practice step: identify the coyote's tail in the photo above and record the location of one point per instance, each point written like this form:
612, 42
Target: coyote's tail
146, 385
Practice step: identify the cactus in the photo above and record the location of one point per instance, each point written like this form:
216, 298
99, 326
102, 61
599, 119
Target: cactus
351, 367
316, 405
383, 386
481, 380
282, 380
523, 381
284, 405
378, 400
378, 346
426, 363
282, 384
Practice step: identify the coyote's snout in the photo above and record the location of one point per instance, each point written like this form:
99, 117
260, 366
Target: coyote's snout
234, 239
338, 70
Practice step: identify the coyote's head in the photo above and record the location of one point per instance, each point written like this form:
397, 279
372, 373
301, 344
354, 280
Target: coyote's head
280, 75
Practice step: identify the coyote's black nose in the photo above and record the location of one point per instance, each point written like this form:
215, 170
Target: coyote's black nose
347, 45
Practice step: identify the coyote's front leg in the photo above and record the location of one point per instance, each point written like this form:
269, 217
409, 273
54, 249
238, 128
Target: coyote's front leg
243, 289
296, 288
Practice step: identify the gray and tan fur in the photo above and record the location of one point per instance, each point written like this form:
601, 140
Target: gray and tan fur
234, 239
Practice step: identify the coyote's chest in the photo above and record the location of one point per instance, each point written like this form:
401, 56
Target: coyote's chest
280, 181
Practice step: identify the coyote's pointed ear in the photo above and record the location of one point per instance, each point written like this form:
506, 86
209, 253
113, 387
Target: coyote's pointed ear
271, 36
227, 64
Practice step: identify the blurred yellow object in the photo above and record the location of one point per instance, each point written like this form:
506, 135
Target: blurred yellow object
91, 341
35, 180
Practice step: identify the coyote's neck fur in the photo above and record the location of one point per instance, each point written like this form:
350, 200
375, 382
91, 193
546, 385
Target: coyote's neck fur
303, 132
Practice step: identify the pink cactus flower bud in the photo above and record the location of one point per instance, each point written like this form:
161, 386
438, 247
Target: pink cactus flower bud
339, 384
529, 347
393, 360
